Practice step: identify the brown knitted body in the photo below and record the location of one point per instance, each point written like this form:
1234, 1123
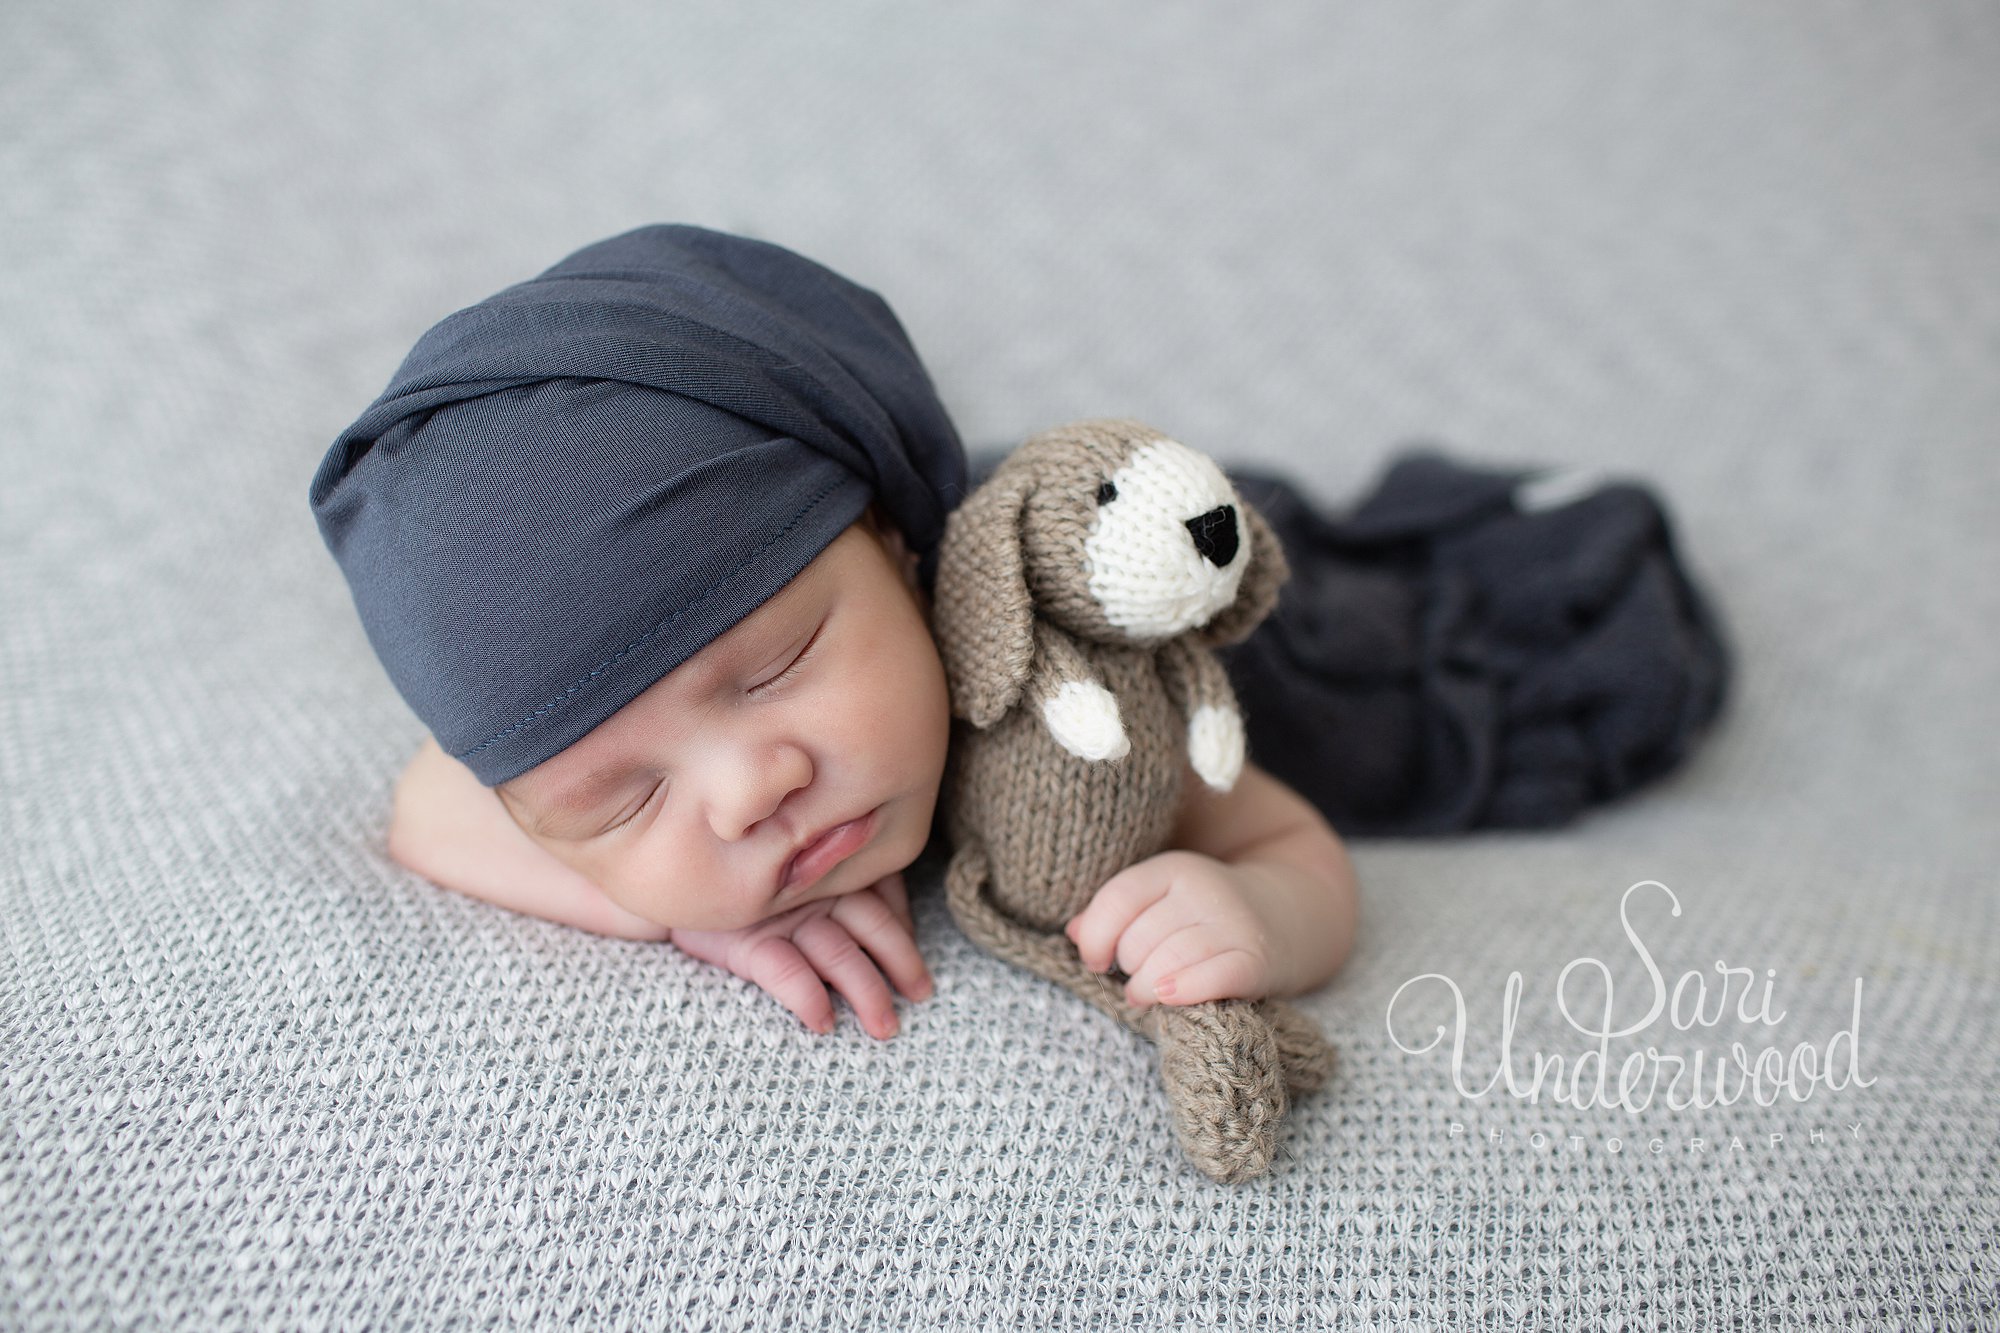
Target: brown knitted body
1054, 826
1037, 829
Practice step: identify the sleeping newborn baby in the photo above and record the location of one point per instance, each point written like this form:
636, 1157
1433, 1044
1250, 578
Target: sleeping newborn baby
646, 543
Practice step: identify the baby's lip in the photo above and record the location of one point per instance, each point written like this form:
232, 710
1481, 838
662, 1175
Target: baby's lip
822, 851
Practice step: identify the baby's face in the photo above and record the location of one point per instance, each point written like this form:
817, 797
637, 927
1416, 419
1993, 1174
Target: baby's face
796, 757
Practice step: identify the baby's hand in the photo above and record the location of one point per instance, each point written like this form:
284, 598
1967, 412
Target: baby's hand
1182, 927
851, 942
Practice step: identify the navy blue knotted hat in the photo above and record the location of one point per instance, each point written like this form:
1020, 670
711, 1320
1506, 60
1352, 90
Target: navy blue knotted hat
571, 487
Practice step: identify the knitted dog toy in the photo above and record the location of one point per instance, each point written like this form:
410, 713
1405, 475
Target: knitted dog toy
1078, 593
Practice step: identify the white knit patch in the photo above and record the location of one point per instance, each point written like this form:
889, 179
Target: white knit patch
1215, 745
1554, 489
1083, 717
1145, 569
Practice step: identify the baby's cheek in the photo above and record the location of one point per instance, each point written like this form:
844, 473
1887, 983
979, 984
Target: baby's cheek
638, 903
632, 881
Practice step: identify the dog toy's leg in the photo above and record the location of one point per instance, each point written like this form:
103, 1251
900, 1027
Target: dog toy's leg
1225, 1084
1200, 689
1307, 1056
1079, 712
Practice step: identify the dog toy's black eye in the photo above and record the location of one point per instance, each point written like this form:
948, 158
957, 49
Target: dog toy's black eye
1106, 493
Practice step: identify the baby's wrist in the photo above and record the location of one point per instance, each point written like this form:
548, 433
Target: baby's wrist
1286, 903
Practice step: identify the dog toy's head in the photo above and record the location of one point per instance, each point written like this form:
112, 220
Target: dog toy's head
1108, 530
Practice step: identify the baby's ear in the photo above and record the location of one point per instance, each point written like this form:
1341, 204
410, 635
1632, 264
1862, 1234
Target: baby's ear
981, 614
890, 537
1257, 595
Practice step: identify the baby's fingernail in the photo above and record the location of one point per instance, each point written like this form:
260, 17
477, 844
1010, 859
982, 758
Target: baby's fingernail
1164, 988
822, 1026
889, 1029
926, 988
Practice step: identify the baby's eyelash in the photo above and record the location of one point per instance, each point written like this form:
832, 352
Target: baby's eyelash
798, 664
637, 810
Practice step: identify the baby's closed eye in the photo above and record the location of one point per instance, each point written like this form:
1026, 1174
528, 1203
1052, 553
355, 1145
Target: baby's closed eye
796, 667
633, 811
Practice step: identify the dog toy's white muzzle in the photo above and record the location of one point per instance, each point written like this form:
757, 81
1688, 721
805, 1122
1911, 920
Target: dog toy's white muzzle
1169, 547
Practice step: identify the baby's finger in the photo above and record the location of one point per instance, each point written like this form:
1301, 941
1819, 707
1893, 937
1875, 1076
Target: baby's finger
1142, 938
1232, 974
778, 966
892, 889
836, 956
888, 940
1096, 929
1173, 953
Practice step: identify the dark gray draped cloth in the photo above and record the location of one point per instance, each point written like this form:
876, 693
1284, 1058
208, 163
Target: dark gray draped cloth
1447, 657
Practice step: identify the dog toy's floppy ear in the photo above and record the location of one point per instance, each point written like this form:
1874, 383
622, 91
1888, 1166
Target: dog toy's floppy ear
1257, 595
981, 614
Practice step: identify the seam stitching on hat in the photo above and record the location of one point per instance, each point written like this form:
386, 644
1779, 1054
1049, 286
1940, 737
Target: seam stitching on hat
647, 637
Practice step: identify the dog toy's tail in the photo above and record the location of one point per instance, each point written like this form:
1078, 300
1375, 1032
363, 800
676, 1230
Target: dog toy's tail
1229, 1067
1051, 957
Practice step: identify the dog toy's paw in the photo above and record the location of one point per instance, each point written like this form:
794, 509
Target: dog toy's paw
1225, 1083
1307, 1057
1215, 745
1083, 717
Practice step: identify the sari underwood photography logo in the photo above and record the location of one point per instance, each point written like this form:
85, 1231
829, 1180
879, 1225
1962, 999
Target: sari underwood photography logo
1616, 1061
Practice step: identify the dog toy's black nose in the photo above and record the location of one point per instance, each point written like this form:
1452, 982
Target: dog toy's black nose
1215, 534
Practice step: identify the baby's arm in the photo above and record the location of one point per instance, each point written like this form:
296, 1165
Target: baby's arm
1258, 898
453, 831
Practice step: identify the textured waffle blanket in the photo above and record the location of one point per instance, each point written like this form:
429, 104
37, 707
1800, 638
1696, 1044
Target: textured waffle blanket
253, 1076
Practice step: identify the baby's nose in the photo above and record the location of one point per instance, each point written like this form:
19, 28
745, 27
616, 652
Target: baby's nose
1214, 534
751, 789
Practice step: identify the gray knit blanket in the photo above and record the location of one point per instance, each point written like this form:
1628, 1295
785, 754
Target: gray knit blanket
1721, 1053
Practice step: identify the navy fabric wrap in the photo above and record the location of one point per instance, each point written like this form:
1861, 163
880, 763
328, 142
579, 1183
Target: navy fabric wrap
570, 488
1447, 657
